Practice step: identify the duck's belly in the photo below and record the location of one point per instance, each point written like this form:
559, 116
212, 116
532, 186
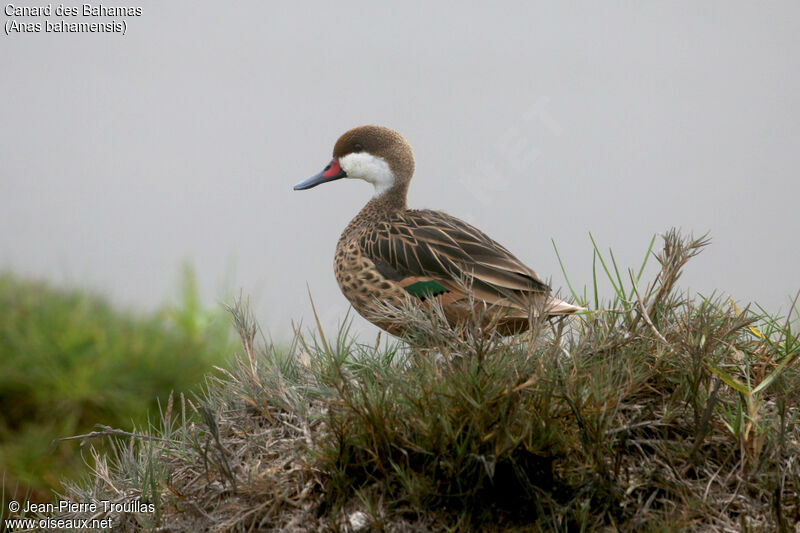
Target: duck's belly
363, 285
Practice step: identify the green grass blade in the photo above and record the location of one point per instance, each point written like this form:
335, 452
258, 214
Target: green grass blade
646, 257
603, 263
620, 293
728, 379
594, 279
564, 271
769, 379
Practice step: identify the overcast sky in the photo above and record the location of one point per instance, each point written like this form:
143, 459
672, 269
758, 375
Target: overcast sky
125, 155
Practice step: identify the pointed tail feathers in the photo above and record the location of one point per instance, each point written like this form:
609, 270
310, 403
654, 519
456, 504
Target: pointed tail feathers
554, 306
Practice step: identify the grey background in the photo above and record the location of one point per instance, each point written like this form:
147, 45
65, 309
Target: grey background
123, 156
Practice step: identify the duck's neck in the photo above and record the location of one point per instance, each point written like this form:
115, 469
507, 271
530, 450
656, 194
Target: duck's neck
389, 201
383, 205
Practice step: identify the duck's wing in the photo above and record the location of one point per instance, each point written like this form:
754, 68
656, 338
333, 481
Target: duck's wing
430, 253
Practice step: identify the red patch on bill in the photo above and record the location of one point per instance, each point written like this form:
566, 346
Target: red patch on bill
333, 169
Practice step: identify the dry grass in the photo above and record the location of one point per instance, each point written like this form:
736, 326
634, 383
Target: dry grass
666, 412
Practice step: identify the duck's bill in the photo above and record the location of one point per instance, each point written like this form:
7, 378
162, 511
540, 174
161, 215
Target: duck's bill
332, 172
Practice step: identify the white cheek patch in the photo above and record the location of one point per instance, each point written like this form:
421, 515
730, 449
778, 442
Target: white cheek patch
370, 168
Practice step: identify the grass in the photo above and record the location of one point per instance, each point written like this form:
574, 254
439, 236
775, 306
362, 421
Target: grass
70, 361
656, 411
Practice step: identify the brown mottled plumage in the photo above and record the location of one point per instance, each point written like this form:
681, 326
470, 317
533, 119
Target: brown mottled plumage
398, 256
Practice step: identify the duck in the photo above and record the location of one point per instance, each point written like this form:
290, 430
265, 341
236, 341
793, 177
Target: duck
390, 256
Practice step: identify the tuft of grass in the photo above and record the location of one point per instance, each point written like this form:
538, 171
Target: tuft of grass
70, 361
660, 411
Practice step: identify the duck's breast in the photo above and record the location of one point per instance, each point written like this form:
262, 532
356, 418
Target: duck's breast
361, 282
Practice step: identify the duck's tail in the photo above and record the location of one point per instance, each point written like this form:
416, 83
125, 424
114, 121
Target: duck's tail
554, 306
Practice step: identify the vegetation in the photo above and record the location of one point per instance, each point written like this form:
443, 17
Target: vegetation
70, 361
658, 411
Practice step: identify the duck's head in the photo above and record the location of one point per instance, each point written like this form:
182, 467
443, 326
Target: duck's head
374, 154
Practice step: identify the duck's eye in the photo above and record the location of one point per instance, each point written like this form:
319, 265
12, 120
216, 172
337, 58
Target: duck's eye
357, 148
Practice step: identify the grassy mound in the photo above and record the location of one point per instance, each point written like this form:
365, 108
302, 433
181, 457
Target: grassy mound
659, 412
70, 361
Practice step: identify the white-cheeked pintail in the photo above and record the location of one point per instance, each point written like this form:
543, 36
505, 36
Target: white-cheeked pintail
390, 254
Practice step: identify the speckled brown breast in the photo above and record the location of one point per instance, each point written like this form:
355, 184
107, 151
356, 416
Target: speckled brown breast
364, 286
